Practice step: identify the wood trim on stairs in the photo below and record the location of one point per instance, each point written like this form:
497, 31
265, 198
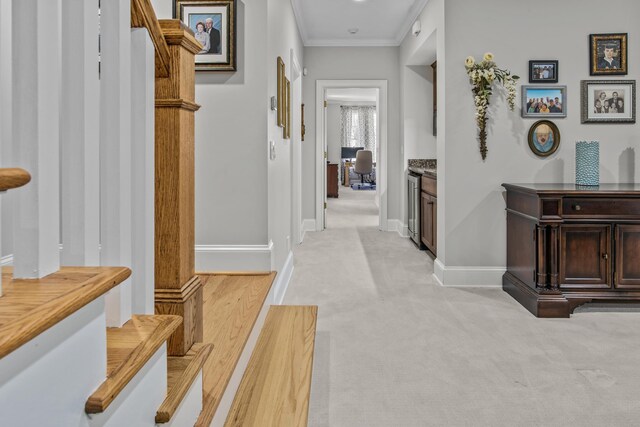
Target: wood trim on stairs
275, 389
29, 307
181, 373
129, 348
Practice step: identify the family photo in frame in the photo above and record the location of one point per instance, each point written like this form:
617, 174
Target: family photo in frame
543, 71
544, 101
608, 101
214, 26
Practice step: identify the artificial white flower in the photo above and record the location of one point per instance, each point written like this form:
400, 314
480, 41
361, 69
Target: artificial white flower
469, 62
488, 57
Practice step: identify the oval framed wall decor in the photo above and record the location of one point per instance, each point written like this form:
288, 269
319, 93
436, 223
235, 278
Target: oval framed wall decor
544, 138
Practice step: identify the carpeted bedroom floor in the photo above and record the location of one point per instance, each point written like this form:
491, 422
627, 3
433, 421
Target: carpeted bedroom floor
395, 349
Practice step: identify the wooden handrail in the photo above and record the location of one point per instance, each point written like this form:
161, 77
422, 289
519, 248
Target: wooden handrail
13, 178
143, 16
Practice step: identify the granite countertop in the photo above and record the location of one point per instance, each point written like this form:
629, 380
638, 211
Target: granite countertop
424, 171
424, 167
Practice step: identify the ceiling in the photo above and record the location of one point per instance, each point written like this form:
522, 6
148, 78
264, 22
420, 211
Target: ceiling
352, 95
379, 22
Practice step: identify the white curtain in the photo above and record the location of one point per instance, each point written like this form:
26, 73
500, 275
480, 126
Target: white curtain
359, 126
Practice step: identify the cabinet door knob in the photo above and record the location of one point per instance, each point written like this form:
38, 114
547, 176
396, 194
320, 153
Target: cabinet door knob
605, 256
577, 207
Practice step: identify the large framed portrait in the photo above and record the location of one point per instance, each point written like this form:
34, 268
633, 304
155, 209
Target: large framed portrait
543, 71
214, 26
544, 138
544, 101
608, 53
608, 101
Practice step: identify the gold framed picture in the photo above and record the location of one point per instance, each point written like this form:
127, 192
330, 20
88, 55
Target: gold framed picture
213, 23
281, 94
286, 132
608, 54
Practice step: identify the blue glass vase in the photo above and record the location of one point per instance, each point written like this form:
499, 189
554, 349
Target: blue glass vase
588, 163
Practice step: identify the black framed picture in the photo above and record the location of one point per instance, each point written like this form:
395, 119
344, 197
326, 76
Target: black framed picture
213, 23
544, 138
608, 101
608, 54
544, 101
543, 71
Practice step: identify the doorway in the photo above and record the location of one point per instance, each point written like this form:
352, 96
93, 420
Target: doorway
376, 93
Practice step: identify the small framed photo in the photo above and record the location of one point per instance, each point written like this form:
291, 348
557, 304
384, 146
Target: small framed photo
544, 138
213, 23
544, 101
608, 101
543, 71
608, 53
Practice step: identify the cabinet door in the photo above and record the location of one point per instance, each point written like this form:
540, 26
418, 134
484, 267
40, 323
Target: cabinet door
627, 271
428, 224
425, 222
585, 256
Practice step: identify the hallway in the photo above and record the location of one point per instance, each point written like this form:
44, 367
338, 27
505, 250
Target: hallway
395, 349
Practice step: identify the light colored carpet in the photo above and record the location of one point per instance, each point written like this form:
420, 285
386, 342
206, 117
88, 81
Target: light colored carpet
395, 349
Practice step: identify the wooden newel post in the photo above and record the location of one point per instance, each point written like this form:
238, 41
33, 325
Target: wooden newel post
177, 288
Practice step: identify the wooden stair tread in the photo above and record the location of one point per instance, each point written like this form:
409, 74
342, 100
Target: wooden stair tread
232, 305
129, 348
276, 385
30, 307
181, 372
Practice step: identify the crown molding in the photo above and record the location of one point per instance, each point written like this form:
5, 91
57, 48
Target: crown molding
413, 15
351, 43
297, 13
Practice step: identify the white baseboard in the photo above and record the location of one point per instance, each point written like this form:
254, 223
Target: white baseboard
234, 257
467, 277
397, 226
282, 280
6, 260
307, 225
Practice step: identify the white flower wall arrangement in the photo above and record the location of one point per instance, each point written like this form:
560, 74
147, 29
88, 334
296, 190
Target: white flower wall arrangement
482, 76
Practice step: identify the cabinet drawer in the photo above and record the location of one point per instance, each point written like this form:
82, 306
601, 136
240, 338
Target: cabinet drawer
429, 185
601, 208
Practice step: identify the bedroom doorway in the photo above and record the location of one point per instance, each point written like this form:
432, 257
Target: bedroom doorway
351, 118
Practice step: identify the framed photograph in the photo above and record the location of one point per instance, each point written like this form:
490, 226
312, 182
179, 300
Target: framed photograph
544, 138
281, 93
543, 71
608, 53
286, 132
544, 101
303, 129
608, 101
214, 26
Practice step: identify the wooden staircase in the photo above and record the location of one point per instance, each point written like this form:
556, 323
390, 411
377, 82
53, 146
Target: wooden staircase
262, 354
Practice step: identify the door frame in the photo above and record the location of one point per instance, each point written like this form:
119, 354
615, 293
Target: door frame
296, 150
321, 143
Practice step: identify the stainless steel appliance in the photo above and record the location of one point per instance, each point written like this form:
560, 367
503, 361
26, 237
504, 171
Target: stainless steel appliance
413, 181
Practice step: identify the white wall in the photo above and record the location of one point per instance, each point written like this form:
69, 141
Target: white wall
353, 63
474, 229
283, 38
243, 199
416, 56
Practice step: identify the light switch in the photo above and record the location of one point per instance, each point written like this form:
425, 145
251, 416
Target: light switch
272, 150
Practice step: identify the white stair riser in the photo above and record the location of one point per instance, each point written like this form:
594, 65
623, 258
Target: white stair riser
190, 408
137, 403
47, 381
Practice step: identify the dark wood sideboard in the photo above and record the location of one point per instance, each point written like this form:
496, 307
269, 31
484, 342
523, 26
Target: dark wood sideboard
568, 245
429, 213
332, 180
